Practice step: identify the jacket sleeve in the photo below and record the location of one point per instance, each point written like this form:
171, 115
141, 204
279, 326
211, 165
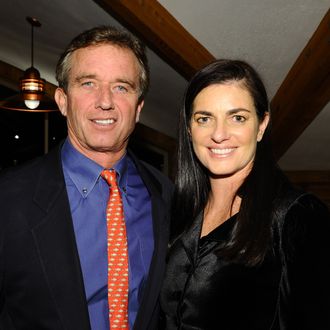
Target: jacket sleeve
304, 298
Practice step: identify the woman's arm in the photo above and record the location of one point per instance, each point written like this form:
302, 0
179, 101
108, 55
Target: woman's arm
305, 248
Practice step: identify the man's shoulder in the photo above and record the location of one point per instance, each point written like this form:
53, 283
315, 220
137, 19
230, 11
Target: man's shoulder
25, 169
152, 176
29, 170
150, 169
157, 174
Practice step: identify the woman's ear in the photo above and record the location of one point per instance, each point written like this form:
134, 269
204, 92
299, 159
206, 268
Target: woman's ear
189, 133
262, 126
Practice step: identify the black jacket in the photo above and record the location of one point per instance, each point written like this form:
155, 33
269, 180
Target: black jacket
290, 290
41, 283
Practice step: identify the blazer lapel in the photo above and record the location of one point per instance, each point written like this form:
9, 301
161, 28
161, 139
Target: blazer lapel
55, 240
161, 232
190, 239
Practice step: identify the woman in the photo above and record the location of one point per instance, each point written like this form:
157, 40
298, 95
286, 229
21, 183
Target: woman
248, 250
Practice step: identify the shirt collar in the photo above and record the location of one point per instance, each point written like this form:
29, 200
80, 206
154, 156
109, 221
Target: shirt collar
121, 169
85, 173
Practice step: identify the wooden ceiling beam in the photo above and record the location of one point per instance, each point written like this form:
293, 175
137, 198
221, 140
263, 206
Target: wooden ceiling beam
151, 22
302, 95
304, 92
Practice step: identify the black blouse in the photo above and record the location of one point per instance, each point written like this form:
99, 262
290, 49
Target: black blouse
289, 290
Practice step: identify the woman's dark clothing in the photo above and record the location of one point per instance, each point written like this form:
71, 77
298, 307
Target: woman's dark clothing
290, 290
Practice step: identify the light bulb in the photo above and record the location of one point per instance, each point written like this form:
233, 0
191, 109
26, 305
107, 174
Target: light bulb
32, 104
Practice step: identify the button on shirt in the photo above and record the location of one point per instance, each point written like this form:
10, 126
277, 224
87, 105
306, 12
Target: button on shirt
88, 196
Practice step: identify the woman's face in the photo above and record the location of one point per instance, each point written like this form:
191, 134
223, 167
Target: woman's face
225, 129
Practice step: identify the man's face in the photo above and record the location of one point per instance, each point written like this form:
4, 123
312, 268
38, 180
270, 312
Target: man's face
101, 103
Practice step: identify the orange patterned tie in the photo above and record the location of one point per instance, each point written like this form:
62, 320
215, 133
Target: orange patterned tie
117, 256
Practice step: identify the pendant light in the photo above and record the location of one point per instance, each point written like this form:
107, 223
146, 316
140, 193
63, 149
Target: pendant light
32, 95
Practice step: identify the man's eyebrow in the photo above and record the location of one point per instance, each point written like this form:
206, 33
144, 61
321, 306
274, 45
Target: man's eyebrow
126, 81
84, 76
118, 80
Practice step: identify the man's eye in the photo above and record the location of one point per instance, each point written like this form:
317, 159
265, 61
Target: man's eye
87, 83
121, 89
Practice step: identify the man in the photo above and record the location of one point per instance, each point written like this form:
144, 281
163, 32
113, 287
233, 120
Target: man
54, 241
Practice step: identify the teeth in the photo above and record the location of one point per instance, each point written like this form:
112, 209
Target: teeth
104, 121
222, 151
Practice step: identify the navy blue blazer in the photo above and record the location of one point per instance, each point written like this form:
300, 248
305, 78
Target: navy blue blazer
41, 283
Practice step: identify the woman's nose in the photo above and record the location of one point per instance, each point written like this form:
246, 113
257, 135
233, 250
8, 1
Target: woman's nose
220, 132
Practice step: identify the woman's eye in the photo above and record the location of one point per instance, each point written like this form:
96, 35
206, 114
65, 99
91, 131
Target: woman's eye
239, 118
202, 120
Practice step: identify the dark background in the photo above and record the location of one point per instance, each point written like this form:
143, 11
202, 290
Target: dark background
22, 133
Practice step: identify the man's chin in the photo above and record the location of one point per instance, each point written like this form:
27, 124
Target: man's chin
108, 149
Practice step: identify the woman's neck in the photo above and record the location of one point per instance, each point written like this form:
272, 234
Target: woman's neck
223, 203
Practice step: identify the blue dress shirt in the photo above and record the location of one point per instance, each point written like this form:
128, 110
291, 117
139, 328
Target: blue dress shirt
88, 196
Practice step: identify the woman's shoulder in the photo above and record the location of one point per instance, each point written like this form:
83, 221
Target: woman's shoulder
295, 201
301, 218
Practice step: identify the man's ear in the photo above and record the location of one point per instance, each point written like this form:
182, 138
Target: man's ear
138, 111
262, 126
61, 100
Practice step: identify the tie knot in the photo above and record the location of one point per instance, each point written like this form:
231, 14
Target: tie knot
109, 176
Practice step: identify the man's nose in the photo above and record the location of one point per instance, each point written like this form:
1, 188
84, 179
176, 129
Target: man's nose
105, 99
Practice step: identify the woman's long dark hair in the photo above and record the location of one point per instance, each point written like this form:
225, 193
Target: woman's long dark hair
251, 236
